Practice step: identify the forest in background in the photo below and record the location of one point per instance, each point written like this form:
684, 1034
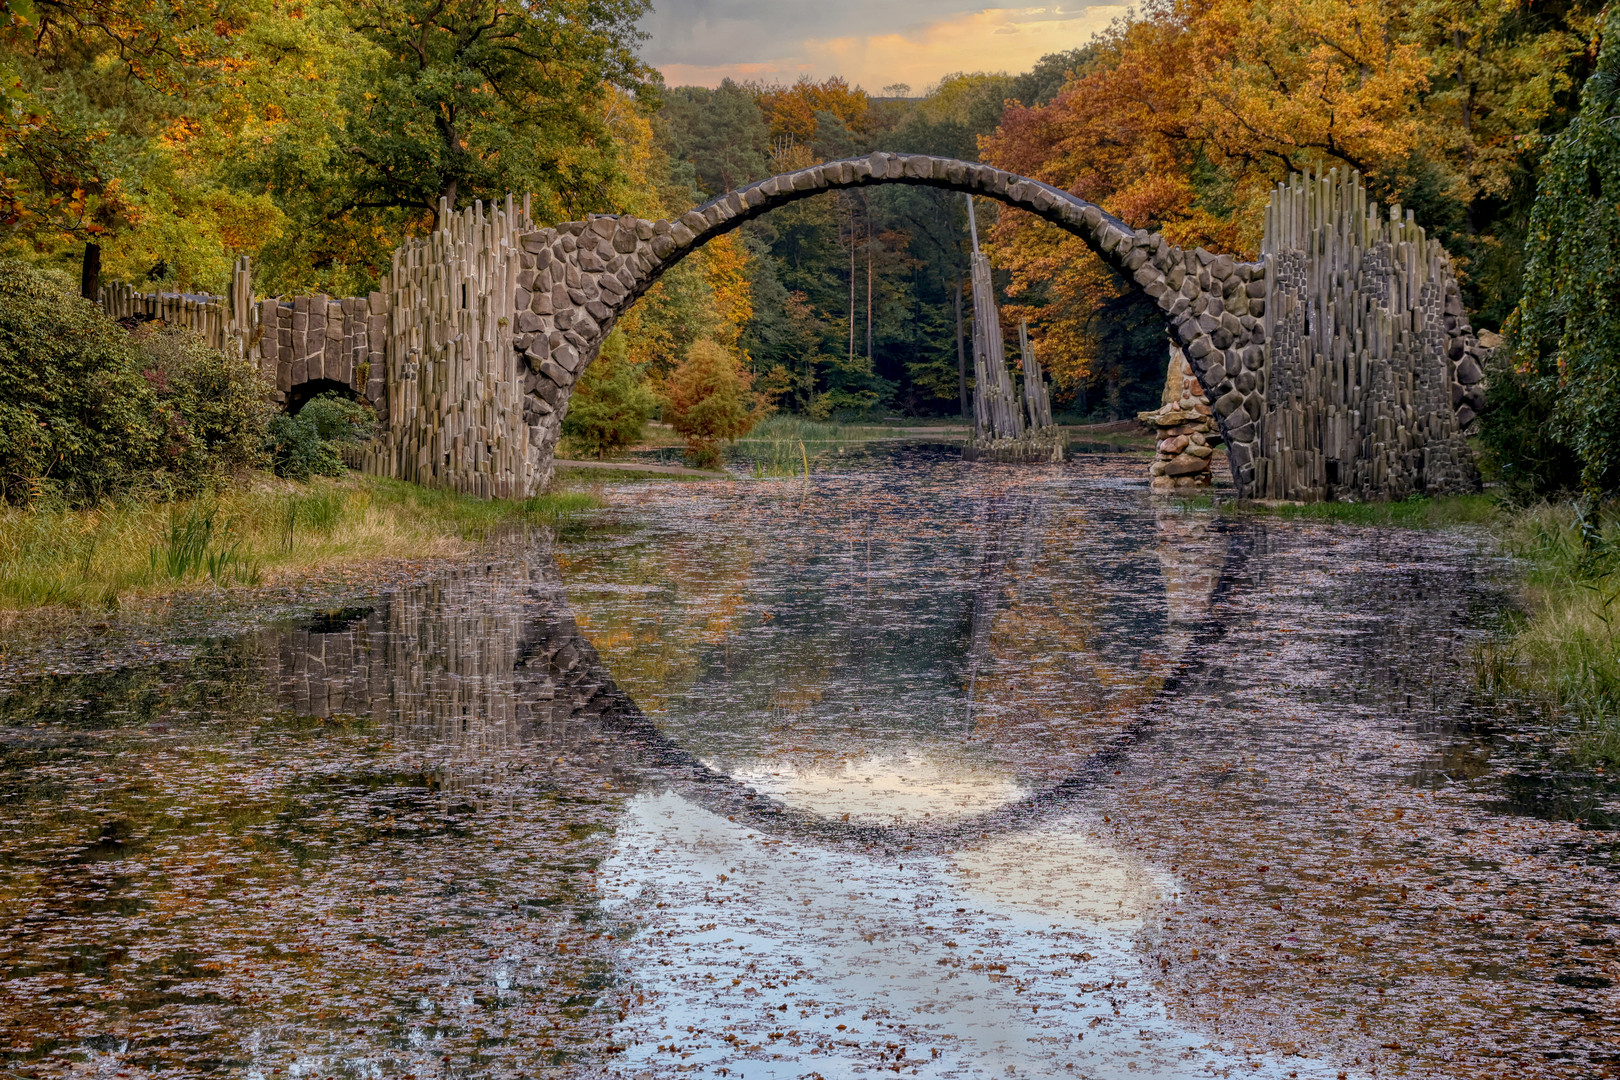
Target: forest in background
313, 136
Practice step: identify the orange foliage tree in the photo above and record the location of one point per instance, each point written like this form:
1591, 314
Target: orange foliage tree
790, 111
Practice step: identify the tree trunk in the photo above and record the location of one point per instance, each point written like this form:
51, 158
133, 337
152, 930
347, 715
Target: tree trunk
869, 357
90, 273
961, 353
852, 285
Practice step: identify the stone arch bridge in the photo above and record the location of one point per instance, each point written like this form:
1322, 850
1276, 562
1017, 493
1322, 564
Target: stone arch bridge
1331, 266
1340, 364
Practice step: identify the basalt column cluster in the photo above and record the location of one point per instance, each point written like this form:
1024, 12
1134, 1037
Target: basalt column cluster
1370, 371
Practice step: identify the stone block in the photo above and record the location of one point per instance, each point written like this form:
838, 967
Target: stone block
551, 371
548, 391
1474, 398
1199, 345
1185, 465
567, 356
1228, 403
1464, 416
1468, 371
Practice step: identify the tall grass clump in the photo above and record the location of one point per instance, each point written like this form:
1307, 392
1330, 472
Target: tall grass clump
128, 548
1564, 653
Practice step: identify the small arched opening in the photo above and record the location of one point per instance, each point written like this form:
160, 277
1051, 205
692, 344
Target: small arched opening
305, 392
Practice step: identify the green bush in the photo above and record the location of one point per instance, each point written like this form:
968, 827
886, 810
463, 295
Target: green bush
89, 410
213, 408
310, 442
610, 404
76, 417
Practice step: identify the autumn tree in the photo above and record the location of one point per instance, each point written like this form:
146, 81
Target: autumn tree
709, 400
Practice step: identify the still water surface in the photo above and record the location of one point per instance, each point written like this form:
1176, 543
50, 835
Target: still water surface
912, 768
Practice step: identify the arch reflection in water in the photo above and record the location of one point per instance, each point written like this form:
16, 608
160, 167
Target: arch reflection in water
910, 690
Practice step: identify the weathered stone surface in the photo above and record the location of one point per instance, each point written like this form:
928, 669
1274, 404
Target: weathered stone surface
1228, 403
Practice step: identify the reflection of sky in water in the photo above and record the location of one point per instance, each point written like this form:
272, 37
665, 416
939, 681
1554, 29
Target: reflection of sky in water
887, 788
770, 959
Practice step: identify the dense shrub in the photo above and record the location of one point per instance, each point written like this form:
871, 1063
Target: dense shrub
1557, 398
310, 442
76, 416
213, 408
710, 399
88, 409
610, 405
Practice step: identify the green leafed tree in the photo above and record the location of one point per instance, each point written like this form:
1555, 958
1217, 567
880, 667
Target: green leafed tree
1556, 387
611, 403
474, 98
720, 132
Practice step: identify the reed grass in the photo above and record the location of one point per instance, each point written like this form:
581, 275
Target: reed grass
1564, 651
787, 429
259, 531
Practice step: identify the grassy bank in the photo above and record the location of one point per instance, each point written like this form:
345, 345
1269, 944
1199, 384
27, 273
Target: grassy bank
1564, 652
1411, 513
261, 530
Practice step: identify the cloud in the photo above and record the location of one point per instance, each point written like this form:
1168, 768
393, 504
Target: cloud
888, 46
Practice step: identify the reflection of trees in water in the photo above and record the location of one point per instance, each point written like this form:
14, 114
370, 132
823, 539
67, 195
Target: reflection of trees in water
868, 616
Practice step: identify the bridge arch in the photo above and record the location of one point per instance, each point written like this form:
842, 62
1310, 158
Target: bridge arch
579, 278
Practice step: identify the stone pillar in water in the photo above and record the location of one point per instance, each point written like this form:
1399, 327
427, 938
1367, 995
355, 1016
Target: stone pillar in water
1185, 428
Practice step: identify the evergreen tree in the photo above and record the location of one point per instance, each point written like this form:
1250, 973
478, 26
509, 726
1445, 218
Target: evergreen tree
610, 404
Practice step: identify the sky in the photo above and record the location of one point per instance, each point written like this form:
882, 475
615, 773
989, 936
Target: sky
873, 43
